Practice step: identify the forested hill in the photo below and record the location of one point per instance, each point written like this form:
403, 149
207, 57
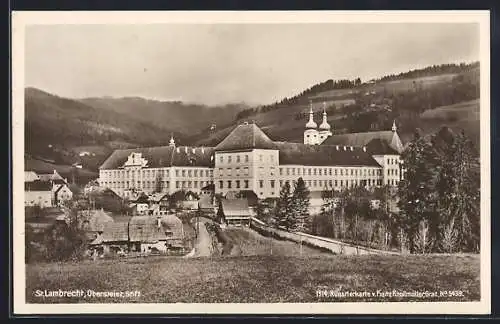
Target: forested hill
441, 95
59, 129
62, 129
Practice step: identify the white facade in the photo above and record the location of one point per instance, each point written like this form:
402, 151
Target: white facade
135, 175
250, 170
391, 164
38, 198
62, 193
248, 160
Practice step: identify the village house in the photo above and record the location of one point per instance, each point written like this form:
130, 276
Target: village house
143, 234
61, 193
36, 185
38, 193
158, 203
235, 211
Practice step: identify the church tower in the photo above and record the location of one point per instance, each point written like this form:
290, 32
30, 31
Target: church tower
171, 142
324, 128
311, 134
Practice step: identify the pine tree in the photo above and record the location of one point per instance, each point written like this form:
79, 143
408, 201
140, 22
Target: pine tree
299, 217
283, 207
443, 143
464, 202
417, 191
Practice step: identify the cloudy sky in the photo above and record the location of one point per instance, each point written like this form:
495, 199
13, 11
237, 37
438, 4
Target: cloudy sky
220, 63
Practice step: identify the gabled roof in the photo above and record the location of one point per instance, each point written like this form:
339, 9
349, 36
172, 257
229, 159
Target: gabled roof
38, 186
163, 156
362, 139
235, 207
114, 232
98, 220
157, 197
62, 186
51, 177
30, 176
380, 147
145, 228
323, 155
205, 202
245, 137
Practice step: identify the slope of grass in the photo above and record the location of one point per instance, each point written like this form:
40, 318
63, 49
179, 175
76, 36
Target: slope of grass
461, 116
248, 242
257, 278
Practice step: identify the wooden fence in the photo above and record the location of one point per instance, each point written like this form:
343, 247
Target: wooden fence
334, 246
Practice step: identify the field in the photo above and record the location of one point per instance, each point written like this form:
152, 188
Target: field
464, 115
257, 278
248, 242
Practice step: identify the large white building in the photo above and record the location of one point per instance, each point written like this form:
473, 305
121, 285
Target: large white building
247, 159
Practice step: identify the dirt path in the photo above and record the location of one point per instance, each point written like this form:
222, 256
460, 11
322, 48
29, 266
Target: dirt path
203, 242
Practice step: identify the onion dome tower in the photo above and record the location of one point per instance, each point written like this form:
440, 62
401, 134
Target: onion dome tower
324, 128
311, 134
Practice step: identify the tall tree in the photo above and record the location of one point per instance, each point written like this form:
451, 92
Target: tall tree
299, 217
417, 192
283, 206
464, 203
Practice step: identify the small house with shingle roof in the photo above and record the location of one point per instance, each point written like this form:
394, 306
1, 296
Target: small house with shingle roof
235, 211
143, 234
146, 232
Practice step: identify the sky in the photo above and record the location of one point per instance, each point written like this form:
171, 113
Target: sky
225, 63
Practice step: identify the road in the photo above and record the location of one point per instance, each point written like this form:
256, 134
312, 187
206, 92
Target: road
203, 243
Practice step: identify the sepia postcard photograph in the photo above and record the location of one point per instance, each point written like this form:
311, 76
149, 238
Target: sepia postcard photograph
251, 162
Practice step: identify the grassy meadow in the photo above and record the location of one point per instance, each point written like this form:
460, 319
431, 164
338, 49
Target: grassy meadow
259, 278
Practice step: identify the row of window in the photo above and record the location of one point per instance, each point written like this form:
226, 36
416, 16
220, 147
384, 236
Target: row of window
238, 184
392, 172
156, 173
309, 183
239, 158
155, 184
336, 183
393, 182
237, 171
303, 171
329, 171
392, 161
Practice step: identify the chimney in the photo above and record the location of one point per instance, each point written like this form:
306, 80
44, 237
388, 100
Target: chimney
364, 148
345, 148
186, 149
352, 148
202, 150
